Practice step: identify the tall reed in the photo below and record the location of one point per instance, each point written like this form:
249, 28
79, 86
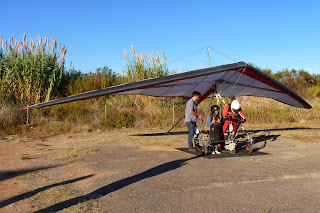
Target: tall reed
143, 66
30, 71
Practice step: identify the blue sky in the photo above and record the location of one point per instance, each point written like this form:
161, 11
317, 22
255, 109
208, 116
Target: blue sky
270, 34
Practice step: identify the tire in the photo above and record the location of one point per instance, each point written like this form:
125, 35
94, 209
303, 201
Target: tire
249, 148
205, 149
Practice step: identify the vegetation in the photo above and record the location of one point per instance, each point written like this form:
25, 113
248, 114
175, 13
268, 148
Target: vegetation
32, 72
300, 81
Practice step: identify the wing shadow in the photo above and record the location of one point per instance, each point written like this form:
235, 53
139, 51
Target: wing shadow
103, 191
283, 129
4, 175
34, 192
163, 133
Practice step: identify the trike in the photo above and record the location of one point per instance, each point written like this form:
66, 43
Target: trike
202, 140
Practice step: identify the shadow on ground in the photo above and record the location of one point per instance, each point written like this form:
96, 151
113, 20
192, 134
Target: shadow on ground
225, 154
260, 142
162, 133
34, 192
250, 131
103, 191
4, 175
283, 129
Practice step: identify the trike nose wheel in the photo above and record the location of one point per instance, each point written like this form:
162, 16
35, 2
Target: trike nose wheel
204, 150
249, 148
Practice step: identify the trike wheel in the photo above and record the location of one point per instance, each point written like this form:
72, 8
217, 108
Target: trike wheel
204, 150
249, 148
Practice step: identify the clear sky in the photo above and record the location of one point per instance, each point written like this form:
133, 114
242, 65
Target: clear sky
270, 34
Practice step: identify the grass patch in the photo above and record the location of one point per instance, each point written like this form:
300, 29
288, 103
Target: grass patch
59, 194
303, 137
33, 175
139, 137
25, 157
42, 144
87, 206
72, 155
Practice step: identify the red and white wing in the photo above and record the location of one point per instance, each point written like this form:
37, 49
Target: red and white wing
231, 80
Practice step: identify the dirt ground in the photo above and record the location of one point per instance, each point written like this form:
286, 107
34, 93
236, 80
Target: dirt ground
144, 170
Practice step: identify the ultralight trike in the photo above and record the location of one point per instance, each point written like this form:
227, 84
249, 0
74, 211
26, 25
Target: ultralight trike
203, 141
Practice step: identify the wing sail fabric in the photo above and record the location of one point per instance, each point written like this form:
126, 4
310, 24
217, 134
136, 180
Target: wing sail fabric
237, 79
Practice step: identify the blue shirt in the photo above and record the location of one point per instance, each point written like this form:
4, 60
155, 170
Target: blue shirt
209, 121
188, 116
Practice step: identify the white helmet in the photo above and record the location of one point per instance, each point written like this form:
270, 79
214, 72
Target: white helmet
235, 106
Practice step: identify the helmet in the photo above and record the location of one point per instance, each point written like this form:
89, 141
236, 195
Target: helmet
214, 108
235, 106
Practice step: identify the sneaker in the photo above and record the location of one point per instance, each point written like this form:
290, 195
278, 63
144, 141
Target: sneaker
213, 152
192, 150
217, 152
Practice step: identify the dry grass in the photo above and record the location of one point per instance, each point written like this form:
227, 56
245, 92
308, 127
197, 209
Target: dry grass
267, 111
71, 155
59, 194
304, 135
304, 138
25, 157
149, 112
33, 175
132, 136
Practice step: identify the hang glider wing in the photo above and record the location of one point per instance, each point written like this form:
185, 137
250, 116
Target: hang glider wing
237, 79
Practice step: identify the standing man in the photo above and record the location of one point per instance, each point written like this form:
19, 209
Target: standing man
191, 118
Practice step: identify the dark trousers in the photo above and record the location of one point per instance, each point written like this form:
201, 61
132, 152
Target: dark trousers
191, 126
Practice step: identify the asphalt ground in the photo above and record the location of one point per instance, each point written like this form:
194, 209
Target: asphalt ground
281, 175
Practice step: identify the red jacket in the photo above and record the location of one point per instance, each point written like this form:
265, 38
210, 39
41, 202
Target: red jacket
228, 112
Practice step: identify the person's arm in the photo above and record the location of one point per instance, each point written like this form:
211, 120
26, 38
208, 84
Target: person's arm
244, 119
196, 114
210, 121
225, 111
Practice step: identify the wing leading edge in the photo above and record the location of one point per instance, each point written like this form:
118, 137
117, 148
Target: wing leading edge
237, 79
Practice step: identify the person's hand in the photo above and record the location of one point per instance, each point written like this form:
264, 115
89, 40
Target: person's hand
241, 121
200, 117
228, 117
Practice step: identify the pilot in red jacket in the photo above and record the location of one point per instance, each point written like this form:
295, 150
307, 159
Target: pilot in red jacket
233, 113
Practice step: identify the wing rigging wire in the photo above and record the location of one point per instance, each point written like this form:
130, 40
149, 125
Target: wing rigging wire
203, 49
187, 55
243, 69
223, 54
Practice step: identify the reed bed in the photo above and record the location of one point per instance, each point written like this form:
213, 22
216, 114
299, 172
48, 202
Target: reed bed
143, 66
30, 72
